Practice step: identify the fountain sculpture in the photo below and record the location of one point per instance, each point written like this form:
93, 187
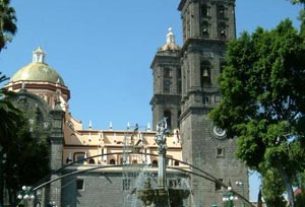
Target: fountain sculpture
161, 196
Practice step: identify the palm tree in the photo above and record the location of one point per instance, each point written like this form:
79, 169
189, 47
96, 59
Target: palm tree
9, 115
9, 118
7, 23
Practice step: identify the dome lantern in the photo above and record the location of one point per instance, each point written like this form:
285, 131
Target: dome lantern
38, 55
170, 44
170, 37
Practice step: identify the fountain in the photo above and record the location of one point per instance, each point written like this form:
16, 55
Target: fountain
161, 196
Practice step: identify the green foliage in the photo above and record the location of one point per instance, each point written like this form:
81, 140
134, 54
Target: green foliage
263, 102
300, 191
273, 188
300, 200
7, 22
9, 115
25, 148
26, 159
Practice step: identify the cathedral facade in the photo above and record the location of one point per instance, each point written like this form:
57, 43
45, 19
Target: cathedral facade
92, 167
186, 89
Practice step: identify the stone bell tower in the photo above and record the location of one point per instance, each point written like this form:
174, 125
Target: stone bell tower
207, 26
167, 83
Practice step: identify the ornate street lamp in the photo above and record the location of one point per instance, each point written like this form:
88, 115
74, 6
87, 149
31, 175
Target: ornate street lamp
52, 204
241, 185
229, 197
25, 195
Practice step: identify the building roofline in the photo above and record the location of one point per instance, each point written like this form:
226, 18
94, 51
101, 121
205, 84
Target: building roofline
181, 4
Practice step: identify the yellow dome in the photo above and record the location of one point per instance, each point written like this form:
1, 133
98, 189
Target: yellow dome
37, 70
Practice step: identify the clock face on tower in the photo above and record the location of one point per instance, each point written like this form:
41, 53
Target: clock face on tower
219, 133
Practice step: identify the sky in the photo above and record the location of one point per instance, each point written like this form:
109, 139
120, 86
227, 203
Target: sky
103, 50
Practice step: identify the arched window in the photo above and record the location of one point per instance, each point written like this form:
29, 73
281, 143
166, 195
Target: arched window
222, 27
112, 162
168, 115
91, 161
167, 80
154, 163
204, 28
205, 73
221, 12
204, 10
79, 157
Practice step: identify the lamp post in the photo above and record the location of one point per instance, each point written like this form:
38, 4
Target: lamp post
52, 204
25, 195
241, 185
229, 197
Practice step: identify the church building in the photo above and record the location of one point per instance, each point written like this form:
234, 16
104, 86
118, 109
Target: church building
106, 167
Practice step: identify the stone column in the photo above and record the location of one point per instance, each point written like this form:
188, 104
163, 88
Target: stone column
56, 154
161, 194
161, 142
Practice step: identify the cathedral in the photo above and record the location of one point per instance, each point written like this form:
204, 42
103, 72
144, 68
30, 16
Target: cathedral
105, 167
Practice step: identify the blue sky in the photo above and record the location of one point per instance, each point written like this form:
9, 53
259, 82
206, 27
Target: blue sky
103, 49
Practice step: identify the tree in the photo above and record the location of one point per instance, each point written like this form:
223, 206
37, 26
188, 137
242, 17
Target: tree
9, 115
25, 147
27, 160
300, 189
9, 121
263, 102
7, 23
298, 1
